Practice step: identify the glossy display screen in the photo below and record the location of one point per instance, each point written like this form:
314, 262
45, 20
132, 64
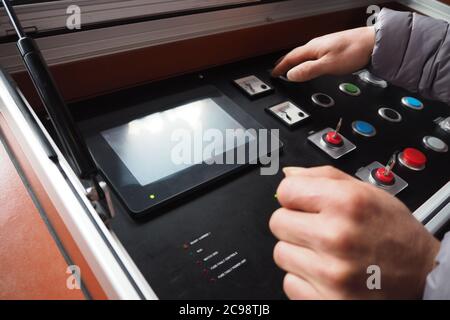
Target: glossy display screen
165, 143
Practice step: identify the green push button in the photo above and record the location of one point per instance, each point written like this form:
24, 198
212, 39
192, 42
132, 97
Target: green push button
350, 88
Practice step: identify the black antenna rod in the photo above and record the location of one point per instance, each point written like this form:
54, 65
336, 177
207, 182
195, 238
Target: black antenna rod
72, 142
14, 20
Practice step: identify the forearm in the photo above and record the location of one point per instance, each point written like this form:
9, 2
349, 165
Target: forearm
438, 281
413, 51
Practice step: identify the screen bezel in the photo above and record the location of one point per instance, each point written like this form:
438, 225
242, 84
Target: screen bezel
137, 198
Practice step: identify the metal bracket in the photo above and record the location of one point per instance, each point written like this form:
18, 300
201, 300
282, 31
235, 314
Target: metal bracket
365, 175
335, 153
100, 196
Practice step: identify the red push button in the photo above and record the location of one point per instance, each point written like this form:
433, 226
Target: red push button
413, 158
334, 138
382, 176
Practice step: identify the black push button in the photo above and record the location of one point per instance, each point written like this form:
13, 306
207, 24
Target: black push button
322, 100
390, 114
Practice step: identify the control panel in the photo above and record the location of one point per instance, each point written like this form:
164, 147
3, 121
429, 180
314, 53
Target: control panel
216, 243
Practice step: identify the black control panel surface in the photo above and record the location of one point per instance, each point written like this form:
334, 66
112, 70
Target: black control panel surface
216, 243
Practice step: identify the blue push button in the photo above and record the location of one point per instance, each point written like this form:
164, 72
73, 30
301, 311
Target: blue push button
412, 103
364, 128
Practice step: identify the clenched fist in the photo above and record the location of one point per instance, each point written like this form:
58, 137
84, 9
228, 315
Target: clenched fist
332, 227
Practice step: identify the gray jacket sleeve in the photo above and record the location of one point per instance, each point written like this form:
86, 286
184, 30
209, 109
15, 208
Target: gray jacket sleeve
413, 51
438, 281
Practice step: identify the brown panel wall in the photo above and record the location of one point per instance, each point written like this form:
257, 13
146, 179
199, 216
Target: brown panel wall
81, 79
91, 77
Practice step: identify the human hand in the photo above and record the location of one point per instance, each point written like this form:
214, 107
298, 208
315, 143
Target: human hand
337, 53
332, 227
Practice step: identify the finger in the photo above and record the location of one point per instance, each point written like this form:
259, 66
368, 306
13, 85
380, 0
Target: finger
308, 70
295, 227
280, 59
298, 261
293, 58
324, 171
298, 289
307, 194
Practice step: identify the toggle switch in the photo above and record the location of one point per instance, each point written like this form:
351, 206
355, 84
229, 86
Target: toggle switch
382, 176
333, 139
332, 142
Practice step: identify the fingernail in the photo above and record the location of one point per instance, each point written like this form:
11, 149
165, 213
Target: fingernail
290, 76
292, 171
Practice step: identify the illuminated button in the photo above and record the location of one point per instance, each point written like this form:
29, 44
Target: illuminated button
350, 88
364, 128
333, 139
390, 114
322, 100
435, 144
413, 159
412, 103
380, 175
367, 77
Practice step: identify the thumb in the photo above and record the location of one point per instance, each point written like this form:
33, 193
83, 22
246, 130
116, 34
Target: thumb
293, 171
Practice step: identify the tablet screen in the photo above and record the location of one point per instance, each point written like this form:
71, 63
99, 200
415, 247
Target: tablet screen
151, 147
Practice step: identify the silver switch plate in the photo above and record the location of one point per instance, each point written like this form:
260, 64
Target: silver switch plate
253, 86
444, 125
334, 152
365, 175
289, 113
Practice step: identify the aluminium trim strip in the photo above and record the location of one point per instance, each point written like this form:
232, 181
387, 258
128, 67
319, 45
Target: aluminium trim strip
432, 8
116, 273
98, 42
48, 16
439, 220
432, 209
